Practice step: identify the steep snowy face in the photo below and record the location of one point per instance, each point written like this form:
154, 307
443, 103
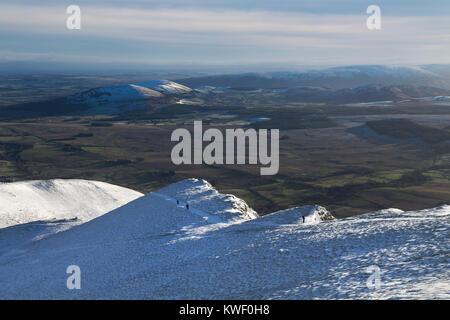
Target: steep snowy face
129, 93
201, 195
307, 214
23, 202
156, 247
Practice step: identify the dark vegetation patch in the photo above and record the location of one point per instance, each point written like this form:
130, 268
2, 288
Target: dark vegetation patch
407, 129
12, 150
101, 124
292, 120
83, 135
438, 139
118, 162
48, 108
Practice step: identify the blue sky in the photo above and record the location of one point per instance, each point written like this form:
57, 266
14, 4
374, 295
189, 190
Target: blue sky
223, 33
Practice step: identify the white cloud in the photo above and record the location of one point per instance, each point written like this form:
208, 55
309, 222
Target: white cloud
236, 29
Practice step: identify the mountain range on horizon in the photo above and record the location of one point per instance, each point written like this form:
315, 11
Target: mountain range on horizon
334, 77
338, 85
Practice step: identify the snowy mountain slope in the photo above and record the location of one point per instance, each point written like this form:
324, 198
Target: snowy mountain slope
201, 194
129, 93
312, 214
154, 248
14, 237
115, 94
23, 202
207, 207
165, 86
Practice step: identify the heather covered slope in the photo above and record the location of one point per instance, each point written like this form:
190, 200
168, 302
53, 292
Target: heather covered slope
155, 248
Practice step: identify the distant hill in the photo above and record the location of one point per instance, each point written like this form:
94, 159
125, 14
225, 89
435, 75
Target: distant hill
351, 84
104, 100
368, 93
131, 92
335, 78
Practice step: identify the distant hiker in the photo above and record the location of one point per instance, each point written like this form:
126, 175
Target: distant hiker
178, 202
187, 206
303, 217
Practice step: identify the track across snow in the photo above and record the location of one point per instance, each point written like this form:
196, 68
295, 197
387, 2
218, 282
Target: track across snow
204, 215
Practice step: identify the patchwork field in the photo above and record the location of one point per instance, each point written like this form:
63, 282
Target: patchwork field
342, 167
350, 158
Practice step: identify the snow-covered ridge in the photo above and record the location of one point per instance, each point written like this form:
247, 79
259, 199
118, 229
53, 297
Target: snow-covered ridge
142, 251
27, 201
65, 199
200, 194
129, 92
156, 248
310, 214
165, 86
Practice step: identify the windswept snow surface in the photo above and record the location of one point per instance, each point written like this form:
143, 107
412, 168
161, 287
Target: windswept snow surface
165, 86
28, 201
154, 248
201, 194
310, 214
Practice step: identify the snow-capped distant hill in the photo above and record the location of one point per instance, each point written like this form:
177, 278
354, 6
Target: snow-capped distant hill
152, 89
370, 93
359, 94
23, 202
356, 71
115, 94
165, 86
367, 93
335, 77
437, 98
116, 99
154, 247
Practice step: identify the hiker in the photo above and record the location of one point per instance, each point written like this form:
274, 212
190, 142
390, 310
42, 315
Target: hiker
178, 202
187, 205
303, 217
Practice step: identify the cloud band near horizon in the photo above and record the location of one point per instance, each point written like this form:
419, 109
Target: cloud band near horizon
111, 33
